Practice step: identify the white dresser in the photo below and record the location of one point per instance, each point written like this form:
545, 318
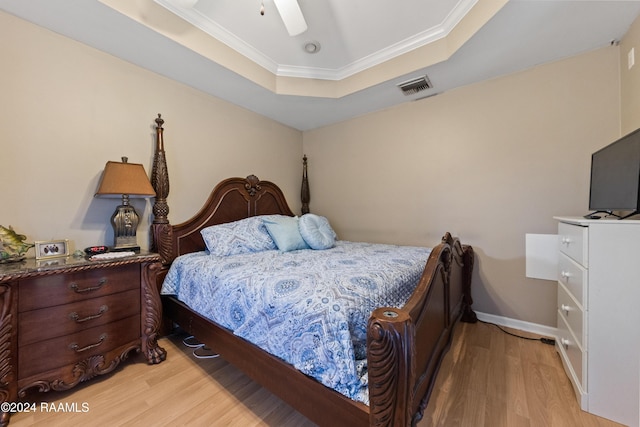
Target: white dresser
599, 314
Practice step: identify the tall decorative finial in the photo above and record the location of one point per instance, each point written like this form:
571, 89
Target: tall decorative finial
160, 177
305, 195
160, 181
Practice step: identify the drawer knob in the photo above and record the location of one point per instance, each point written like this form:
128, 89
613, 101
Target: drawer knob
566, 309
75, 288
76, 317
565, 343
566, 240
565, 275
77, 349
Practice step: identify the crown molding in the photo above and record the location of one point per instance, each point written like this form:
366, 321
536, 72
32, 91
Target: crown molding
210, 27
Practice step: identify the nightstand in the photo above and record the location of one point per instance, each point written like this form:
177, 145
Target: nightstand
66, 320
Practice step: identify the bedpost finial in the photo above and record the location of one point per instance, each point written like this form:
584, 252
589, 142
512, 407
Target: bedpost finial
160, 181
305, 195
159, 121
447, 238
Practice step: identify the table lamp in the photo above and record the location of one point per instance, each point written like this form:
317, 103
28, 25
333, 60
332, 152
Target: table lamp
124, 180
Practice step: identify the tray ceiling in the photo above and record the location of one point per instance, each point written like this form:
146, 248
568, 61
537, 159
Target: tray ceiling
366, 48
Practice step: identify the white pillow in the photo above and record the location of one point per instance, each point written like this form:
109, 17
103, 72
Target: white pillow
316, 231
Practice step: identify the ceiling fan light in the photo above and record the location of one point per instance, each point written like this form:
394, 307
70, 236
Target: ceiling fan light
291, 15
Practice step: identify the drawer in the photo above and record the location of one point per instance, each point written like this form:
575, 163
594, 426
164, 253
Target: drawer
572, 313
68, 350
572, 353
574, 277
51, 322
48, 291
574, 242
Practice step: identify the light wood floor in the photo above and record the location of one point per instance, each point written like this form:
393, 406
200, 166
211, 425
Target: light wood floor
488, 378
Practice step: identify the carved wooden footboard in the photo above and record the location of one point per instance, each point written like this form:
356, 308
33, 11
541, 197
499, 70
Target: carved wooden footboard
405, 346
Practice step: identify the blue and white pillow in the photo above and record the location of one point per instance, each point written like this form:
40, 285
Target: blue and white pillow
316, 231
284, 232
238, 237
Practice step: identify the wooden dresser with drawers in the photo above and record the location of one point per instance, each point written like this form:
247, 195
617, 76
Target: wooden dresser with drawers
66, 320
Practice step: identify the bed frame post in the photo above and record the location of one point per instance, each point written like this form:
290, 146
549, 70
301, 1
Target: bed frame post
391, 367
161, 230
305, 195
468, 315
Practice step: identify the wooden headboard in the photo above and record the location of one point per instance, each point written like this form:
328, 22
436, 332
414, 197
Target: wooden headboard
231, 200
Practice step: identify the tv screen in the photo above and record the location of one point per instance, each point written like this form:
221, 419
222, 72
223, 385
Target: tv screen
615, 176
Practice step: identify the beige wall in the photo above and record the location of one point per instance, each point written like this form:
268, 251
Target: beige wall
488, 162
630, 80
66, 109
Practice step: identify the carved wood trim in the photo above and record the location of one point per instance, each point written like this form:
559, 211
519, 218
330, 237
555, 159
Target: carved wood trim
166, 238
391, 367
232, 199
252, 185
7, 364
163, 241
6, 278
160, 177
457, 250
463, 256
161, 230
151, 315
81, 371
305, 194
468, 315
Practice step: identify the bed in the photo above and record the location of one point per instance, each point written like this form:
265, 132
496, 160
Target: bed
403, 346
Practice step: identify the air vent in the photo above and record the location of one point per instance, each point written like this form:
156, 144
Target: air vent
416, 85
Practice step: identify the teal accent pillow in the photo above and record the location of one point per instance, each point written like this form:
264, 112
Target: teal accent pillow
316, 231
284, 232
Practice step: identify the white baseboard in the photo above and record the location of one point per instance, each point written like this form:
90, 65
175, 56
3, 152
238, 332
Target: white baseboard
534, 328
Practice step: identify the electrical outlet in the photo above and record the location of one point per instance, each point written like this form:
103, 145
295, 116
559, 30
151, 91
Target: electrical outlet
631, 58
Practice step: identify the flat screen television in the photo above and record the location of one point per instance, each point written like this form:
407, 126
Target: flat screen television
615, 178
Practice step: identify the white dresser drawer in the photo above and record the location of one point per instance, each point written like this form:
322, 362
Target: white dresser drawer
574, 277
597, 316
572, 313
573, 355
574, 241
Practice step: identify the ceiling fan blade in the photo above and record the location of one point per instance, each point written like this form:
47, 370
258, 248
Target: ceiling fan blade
291, 16
187, 3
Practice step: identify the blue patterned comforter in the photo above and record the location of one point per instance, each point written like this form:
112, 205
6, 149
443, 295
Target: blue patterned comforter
308, 307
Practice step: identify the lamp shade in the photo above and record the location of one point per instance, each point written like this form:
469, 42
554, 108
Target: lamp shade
125, 178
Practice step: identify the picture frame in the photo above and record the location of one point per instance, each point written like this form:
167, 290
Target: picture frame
46, 249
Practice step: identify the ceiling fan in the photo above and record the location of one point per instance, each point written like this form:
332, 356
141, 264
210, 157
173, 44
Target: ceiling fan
289, 11
291, 15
